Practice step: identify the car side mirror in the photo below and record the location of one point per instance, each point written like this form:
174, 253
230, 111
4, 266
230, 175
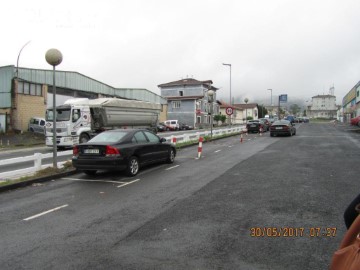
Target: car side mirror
162, 140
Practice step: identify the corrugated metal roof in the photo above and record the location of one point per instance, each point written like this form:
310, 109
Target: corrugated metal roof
140, 94
70, 80
65, 79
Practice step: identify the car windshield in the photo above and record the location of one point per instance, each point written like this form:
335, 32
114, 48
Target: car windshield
61, 114
110, 137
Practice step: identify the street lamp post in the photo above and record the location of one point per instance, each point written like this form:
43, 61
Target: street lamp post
229, 65
17, 62
211, 100
54, 58
246, 100
270, 97
230, 81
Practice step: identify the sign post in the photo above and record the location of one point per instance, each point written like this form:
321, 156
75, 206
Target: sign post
282, 98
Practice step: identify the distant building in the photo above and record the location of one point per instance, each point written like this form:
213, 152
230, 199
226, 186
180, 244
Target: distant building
322, 106
250, 110
351, 103
187, 101
238, 115
26, 93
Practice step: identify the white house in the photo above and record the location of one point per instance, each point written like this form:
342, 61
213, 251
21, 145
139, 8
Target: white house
323, 106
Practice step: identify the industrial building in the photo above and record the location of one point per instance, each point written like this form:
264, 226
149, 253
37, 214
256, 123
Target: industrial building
26, 93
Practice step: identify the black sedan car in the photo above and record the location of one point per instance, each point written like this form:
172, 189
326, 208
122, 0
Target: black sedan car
255, 126
161, 127
186, 127
282, 127
122, 149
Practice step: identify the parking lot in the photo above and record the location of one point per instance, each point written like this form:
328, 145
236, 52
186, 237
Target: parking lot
215, 212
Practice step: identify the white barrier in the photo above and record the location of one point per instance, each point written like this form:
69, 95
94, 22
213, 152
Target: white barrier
37, 157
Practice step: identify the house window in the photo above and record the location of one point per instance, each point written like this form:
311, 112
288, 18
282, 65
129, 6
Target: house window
176, 104
198, 105
26, 88
38, 90
181, 93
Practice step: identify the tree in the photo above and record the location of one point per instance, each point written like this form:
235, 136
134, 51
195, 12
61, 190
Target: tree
220, 117
262, 111
295, 109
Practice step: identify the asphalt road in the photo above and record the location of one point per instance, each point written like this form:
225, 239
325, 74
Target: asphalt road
207, 213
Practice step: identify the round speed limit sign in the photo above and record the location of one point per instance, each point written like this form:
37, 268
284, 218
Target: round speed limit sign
229, 111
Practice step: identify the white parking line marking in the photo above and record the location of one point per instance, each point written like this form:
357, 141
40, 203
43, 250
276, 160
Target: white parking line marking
217, 151
172, 167
46, 212
128, 183
89, 180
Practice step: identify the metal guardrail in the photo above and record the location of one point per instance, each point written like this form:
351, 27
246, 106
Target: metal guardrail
38, 157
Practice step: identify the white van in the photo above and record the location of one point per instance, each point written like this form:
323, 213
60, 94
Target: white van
173, 124
37, 124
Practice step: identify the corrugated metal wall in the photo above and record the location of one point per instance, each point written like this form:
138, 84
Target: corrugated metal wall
69, 80
6, 75
77, 81
66, 79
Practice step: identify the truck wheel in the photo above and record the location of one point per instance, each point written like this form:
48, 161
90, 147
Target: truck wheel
133, 166
88, 172
171, 156
84, 138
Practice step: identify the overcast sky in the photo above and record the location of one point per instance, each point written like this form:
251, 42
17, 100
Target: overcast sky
300, 48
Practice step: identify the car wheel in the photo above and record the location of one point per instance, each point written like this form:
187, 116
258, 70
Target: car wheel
84, 138
31, 130
171, 156
90, 172
133, 166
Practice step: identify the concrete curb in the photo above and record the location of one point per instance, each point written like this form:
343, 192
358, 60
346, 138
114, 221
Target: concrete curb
37, 180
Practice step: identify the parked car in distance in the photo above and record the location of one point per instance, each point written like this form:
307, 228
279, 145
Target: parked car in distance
167, 127
161, 127
282, 127
266, 123
254, 126
122, 149
306, 120
355, 121
290, 118
186, 127
173, 124
37, 125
